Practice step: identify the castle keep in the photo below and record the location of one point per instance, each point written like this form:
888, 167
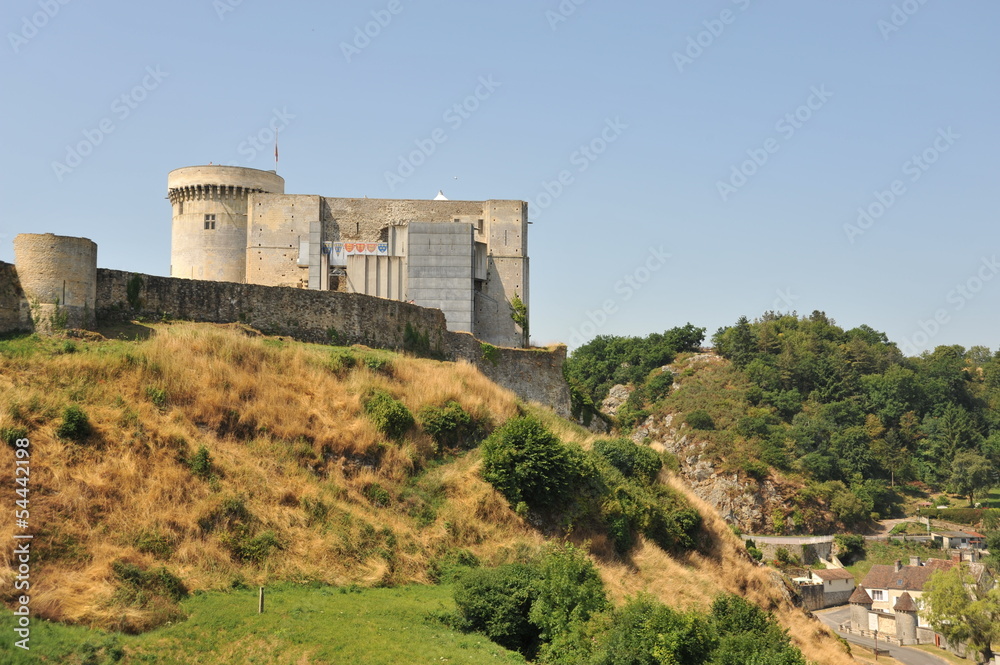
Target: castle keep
467, 258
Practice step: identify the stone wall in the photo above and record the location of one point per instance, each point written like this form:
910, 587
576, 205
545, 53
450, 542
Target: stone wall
329, 316
812, 596
15, 314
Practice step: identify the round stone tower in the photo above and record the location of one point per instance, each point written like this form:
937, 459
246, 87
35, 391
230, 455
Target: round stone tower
208, 238
59, 277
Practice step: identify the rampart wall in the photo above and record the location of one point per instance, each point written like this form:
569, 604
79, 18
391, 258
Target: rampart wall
323, 317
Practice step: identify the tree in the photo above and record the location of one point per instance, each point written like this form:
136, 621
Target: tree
971, 474
956, 607
519, 314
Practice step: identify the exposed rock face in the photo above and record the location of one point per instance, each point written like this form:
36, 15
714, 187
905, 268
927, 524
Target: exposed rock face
616, 397
747, 503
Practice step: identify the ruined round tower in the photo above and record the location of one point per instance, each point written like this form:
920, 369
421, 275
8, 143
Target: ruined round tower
59, 277
208, 237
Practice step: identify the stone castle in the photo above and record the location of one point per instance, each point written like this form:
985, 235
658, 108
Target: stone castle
434, 277
467, 258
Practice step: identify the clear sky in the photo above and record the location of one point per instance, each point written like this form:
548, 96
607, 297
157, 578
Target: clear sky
684, 161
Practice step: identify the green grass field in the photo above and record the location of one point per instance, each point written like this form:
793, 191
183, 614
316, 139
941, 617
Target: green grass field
300, 625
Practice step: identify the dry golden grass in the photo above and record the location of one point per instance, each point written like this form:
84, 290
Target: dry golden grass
284, 425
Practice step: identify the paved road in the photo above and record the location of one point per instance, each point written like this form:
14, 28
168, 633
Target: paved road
835, 616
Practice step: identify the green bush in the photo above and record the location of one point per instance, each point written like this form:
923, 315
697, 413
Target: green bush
569, 590
153, 542
526, 462
157, 396
849, 546
658, 385
388, 414
377, 495
201, 463
491, 354
139, 583
341, 361
10, 435
497, 602
699, 419
75, 423
246, 547
647, 632
379, 365
632, 460
450, 425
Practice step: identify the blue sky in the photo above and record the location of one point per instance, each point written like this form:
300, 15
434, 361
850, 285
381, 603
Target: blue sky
713, 156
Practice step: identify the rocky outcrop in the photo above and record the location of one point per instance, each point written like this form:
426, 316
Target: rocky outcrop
745, 502
617, 396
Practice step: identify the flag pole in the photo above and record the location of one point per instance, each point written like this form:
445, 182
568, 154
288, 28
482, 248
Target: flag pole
275, 151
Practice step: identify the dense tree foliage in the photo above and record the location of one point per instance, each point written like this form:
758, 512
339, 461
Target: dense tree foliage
961, 611
611, 487
608, 360
846, 405
555, 610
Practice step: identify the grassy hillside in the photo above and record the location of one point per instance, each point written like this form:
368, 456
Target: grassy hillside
210, 459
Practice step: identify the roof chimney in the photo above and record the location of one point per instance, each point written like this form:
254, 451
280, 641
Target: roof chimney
915, 561
899, 565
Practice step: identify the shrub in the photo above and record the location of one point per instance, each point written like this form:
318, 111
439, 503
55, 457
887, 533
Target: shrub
497, 602
526, 462
388, 414
75, 423
450, 425
632, 460
699, 419
157, 396
341, 361
377, 495
10, 435
491, 354
248, 548
201, 463
647, 631
153, 542
659, 385
570, 591
379, 365
849, 546
138, 583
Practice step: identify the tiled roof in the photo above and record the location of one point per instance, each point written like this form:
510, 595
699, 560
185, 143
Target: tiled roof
860, 597
909, 578
905, 604
833, 574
